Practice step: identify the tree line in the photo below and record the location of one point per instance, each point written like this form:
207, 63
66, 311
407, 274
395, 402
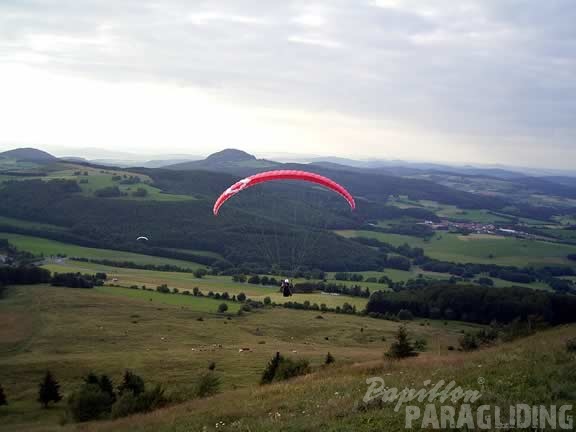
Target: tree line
476, 304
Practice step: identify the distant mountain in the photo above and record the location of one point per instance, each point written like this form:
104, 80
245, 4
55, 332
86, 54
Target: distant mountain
161, 163
28, 155
74, 159
228, 160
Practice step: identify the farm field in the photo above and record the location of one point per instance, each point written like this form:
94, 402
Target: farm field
19, 223
74, 331
451, 212
90, 179
473, 249
187, 281
46, 247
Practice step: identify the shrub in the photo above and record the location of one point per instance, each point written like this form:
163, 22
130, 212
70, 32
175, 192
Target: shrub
131, 383
280, 369
222, 307
468, 342
241, 297
89, 403
130, 403
291, 368
208, 384
571, 345
420, 344
405, 315
211, 366
3, 400
329, 359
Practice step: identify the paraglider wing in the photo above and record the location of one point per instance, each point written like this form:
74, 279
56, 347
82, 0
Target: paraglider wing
142, 238
282, 175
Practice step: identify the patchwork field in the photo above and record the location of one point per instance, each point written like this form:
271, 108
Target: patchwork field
473, 249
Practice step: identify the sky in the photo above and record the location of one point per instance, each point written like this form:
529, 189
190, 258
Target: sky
475, 81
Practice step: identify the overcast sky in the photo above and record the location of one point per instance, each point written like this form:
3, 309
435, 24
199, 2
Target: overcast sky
484, 81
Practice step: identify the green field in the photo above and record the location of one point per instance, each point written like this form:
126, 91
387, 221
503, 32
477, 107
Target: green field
478, 249
29, 225
186, 281
48, 248
96, 178
450, 211
74, 331
199, 304
91, 179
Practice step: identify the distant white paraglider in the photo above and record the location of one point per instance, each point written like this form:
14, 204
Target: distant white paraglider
142, 238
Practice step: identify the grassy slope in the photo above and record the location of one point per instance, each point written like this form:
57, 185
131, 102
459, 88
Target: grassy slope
505, 375
47, 247
73, 331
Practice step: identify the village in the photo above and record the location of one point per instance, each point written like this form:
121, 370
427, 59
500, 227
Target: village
475, 228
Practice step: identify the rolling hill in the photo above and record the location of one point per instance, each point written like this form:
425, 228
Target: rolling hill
29, 155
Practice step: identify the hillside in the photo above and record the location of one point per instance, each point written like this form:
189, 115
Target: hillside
28, 155
330, 400
227, 160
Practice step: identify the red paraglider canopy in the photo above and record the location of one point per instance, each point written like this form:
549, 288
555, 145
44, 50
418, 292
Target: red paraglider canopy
282, 175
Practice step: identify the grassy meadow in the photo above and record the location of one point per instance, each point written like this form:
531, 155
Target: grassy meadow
481, 249
74, 331
52, 248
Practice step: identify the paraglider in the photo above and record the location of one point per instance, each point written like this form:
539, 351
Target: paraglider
282, 175
285, 288
142, 238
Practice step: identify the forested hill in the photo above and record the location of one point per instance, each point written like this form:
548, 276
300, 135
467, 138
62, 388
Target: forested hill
285, 223
28, 155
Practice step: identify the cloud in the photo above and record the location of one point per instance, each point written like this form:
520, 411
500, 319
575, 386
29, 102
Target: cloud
314, 40
477, 75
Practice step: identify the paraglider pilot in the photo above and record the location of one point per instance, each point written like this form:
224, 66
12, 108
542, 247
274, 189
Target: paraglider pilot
286, 288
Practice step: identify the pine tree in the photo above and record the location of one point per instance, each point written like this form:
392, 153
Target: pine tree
49, 390
3, 400
91, 378
329, 359
402, 347
131, 383
271, 368
107, 387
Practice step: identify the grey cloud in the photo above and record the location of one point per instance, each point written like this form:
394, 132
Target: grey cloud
484, 67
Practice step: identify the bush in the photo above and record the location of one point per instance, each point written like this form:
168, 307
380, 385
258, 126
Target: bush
208, 384
200, 273
130, 403
291, 368
131, 383
420, 344
571, 345
405, 315
468, 342
222, 307
329, 359
89, 403
280, 369
3, 400
241, 297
